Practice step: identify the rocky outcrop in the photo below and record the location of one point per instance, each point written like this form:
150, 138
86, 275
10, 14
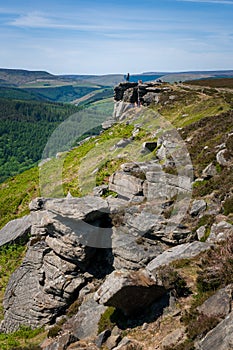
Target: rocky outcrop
54, 268
219, 338
131, 292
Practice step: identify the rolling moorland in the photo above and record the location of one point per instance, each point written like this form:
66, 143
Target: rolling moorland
183, 318
32, 104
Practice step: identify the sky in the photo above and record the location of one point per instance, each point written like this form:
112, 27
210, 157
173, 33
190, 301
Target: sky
106, 36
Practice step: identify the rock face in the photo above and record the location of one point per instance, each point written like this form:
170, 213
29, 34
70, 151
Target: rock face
85, 323
146, 93
130, 292
220, 338
53, 270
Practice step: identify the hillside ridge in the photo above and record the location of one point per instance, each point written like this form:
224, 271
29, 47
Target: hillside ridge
135, 262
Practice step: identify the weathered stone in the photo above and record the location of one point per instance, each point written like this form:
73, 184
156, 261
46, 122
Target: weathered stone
108, 124
201, 232
132, 253
183, 251
37, 204
219, 304
121, 110
100, 190
151, 97
113, 341
198, 206
85, 323
61, 343
121, 88
173, 338
221, 158
219, 338
129, 167
19, 228
209, 171
102, 337
85, 208
131, 292
43, 286
129, 344
220, 231
122, 143
83, 345
125, 185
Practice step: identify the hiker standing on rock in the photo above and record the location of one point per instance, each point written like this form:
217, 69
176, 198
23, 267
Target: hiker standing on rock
127, 77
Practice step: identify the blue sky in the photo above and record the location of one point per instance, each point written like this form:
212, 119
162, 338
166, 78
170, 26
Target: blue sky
100, 36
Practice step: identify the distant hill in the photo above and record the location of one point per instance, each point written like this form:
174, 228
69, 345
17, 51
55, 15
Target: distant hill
17, 77
41, 79
192, 75
213, 82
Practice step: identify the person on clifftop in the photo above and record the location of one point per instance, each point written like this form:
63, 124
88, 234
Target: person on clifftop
127, 77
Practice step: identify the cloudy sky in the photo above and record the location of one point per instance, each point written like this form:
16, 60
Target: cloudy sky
106, 36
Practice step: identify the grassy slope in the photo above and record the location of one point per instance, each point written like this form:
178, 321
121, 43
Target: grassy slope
189, 107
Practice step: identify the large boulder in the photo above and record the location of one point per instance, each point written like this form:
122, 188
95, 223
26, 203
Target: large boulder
131, 292
219, 304
132, 253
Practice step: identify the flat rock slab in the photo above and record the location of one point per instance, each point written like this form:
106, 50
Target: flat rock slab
19, 227
183, 251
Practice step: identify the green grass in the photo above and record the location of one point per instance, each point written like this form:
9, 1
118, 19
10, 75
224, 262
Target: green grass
11, 256
25, 338
16, 193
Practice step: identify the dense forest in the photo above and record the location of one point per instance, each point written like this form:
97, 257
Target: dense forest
25, 127
62, 93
